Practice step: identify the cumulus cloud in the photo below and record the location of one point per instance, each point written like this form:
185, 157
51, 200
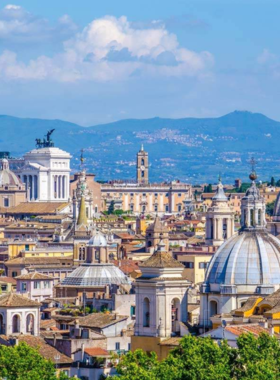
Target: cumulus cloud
19, 25
108, 49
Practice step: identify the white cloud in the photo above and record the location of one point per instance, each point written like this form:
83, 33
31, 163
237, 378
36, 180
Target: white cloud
108, 49
266, 57
18, 25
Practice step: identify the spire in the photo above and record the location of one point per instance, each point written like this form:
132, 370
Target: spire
220, 195
142, 148
82, 218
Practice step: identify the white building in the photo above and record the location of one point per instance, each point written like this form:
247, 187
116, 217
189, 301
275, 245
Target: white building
46, 173
161, 296
19, 315
247, 264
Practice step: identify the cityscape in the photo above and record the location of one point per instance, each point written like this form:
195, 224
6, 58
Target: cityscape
139, 191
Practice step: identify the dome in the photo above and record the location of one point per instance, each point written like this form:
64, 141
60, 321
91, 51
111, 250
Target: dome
98, 240
7, 177
250, 258
96, 275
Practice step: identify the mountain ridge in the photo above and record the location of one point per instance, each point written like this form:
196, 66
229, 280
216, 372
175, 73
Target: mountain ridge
190, 149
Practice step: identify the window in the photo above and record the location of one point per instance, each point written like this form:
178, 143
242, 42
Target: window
129, 346
118, 346
202, 265
4, 288
156, 194
23, 287
146, 312
142, 161
6, 202
131, 194
142, 174
46, 284
132, 311
166, 208
131, 208
156, 208
37, 285
188, 265
26, 247
166, 194
14, 274
179, 208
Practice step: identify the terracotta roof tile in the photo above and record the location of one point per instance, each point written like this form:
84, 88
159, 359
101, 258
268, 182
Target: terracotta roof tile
34, 276
249, 328
161, 260
97, 351
46, 350
15, 300
99, 320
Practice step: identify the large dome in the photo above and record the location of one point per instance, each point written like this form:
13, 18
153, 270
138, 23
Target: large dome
88, 275
7, 177
249, 258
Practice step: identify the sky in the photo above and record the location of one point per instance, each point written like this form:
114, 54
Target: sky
93, 62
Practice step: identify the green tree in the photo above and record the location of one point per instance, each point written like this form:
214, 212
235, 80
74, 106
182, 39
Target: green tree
25, 363
269, 208
256, 358
278, 183
111, 208
272, 181
22, 362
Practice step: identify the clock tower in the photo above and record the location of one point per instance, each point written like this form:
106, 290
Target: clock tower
142, 167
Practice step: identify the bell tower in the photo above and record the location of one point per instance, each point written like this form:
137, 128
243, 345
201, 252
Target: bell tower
142, 167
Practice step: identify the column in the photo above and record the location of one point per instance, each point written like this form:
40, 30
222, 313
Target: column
229, 228
63, 186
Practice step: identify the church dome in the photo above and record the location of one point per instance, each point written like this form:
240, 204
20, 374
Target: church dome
98, 240
7, 177
249, 258
88, 275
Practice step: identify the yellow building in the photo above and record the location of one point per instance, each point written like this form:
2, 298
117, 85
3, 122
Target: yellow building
195, 264
255, 309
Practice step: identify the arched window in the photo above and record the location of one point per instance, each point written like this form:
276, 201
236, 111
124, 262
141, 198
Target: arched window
142, 161
252, 218
16, 323
175, 315
82, 253
213, 308
259, 217
30, 324
149, 243
146, 312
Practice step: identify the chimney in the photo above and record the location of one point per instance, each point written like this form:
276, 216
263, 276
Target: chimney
54, 339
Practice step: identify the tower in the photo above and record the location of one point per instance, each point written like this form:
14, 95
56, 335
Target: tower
161, 300
155, 233
219, 219
142, 167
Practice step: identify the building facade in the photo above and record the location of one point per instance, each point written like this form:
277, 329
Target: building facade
46, 174
12, 190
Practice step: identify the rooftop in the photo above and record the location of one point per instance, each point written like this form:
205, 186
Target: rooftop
99, 320
34, 276
15, 300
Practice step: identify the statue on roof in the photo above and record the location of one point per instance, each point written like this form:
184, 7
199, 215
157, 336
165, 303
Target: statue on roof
46, 142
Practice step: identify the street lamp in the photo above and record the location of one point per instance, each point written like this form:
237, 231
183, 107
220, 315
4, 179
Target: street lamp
56, 358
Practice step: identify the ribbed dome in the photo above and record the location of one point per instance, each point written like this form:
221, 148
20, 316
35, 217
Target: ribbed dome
96, 275
250, 258
98, 240
7, 177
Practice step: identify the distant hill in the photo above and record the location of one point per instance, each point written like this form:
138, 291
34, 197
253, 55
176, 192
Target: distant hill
189, 149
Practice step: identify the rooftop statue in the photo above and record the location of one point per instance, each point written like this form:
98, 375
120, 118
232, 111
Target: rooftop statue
45, 143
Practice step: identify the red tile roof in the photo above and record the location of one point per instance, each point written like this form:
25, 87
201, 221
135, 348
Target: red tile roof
96, 351
245, 329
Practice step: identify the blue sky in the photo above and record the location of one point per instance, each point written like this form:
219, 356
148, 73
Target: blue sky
95, 62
